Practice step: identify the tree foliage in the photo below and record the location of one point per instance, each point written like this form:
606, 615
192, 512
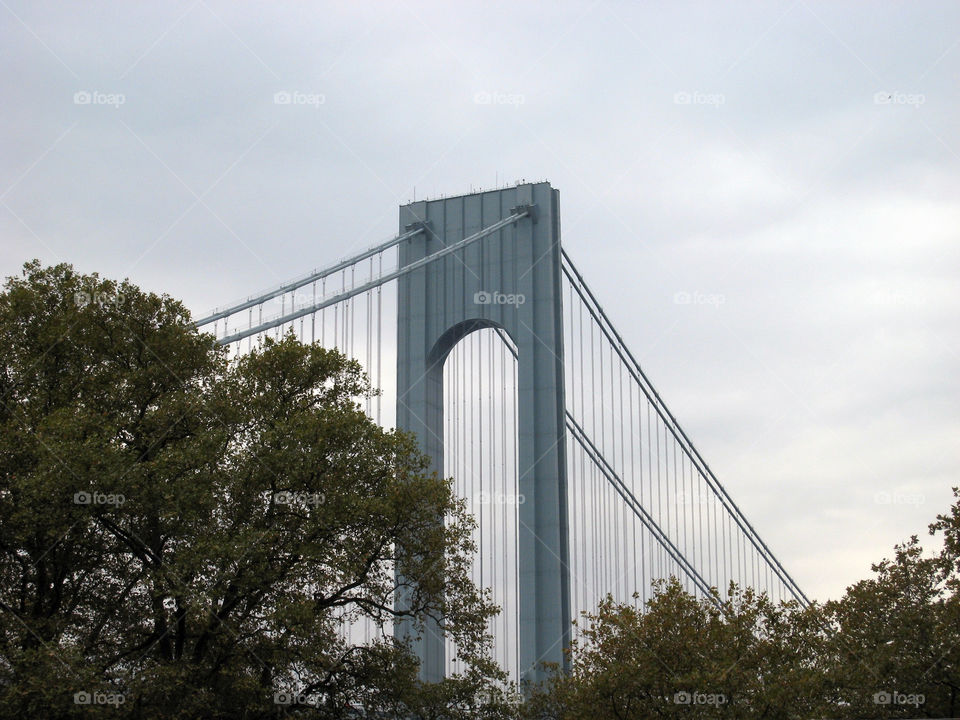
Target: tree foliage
889, 648
182, 535
683, 656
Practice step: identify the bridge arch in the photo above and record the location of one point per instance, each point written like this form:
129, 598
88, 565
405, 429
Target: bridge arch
448, 341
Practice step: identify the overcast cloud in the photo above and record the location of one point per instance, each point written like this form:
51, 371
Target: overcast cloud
799, 162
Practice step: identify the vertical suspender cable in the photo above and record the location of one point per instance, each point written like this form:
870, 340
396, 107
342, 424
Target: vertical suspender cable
660, 498
336, 326
379, 335
604, 525
477, 397
353, 310
650, 480
629, 563
635, 584
508, 484
618, 546
368, 305
582, 382
680, 511
489, 430
593, 429
701, 540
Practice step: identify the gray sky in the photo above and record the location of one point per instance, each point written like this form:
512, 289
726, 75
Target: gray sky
795, 166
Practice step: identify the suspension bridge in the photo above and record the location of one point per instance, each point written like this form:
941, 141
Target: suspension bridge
487, 343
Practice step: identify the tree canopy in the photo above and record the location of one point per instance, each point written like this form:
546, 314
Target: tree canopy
185, 535
889, 648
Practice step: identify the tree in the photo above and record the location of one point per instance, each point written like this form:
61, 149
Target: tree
682, 656
949, 525
896, 642
895, 651
888, 648
185, 535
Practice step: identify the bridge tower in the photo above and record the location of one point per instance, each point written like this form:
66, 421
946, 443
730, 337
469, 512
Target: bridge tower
441, 303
